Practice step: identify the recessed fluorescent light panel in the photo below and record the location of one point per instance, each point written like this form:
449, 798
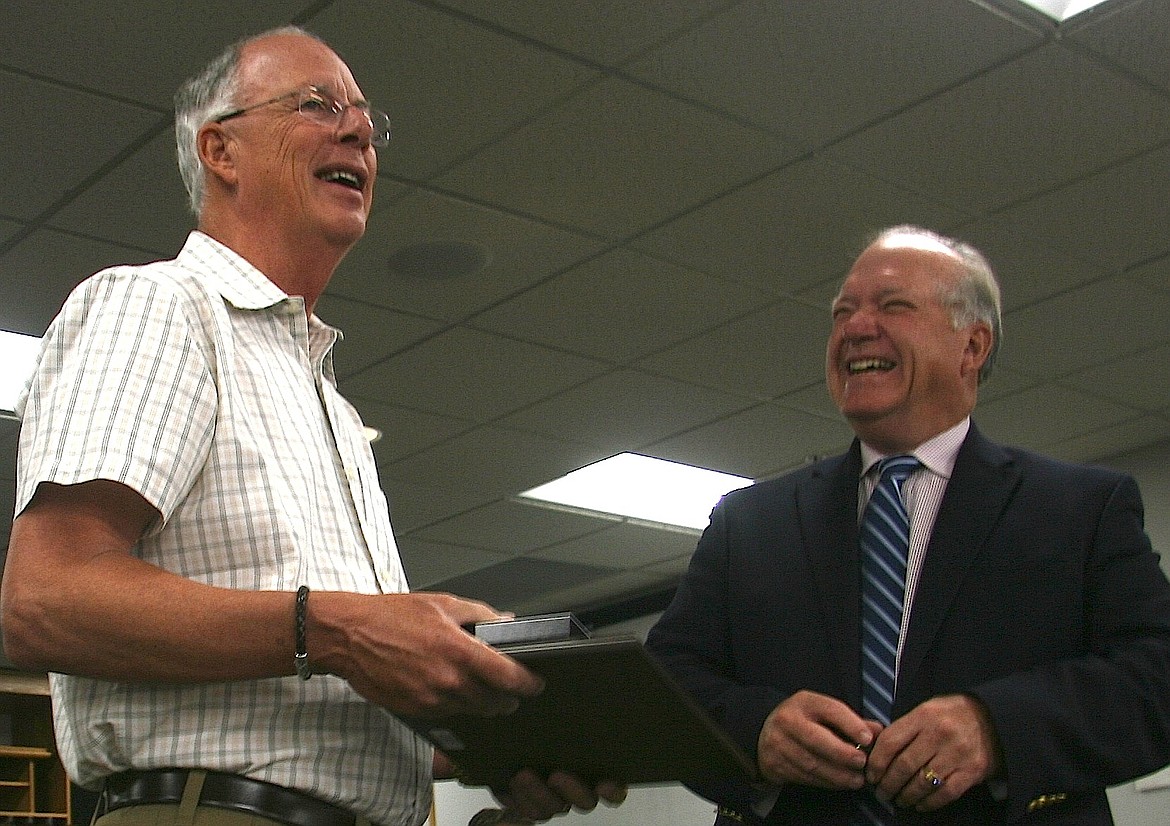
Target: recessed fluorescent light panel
18, 354
1061, 10
640, 488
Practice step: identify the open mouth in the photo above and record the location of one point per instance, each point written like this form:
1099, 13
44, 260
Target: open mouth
342, 177
873, 365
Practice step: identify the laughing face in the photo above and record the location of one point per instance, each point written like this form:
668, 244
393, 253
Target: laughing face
896, 365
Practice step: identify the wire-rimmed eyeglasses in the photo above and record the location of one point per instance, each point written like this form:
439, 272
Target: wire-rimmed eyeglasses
321, 107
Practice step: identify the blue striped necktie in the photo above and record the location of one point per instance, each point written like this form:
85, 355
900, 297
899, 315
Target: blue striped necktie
885, 543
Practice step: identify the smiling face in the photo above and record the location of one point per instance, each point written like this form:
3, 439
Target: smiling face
896, 365
297, 181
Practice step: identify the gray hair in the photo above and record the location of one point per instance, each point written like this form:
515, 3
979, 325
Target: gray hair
208, 95
974, 296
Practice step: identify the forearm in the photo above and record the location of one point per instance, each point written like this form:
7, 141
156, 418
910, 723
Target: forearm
116, 617
76, 600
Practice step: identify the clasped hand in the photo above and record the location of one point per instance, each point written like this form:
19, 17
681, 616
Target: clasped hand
925, 759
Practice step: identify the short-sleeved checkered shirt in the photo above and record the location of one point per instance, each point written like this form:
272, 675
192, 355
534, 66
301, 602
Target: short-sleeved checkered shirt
204, 387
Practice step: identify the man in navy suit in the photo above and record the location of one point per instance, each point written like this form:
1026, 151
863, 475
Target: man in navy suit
1033, 659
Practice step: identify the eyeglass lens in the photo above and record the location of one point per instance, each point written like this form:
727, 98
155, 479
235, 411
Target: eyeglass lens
323, 108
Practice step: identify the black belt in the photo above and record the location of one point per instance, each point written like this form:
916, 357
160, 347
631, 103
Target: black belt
223, 791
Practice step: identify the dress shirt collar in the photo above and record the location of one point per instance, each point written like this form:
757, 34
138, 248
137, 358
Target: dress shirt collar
241, 284
937, 454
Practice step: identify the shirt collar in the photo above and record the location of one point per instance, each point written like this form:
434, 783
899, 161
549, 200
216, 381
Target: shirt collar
241, 285
937, 454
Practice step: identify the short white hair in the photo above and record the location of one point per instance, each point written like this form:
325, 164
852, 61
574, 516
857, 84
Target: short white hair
209, 95
973, 296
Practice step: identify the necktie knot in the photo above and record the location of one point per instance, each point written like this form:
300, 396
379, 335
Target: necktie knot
897, 469
899, 466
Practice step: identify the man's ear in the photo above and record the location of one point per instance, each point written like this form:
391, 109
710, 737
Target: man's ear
217, 152
978, 349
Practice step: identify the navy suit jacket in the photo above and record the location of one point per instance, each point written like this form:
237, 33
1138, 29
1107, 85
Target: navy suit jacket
1039, 594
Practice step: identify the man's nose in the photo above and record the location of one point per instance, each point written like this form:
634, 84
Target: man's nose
355, 124
859, 324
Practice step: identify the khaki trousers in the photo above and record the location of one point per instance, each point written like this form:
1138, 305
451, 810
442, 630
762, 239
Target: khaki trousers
188, 812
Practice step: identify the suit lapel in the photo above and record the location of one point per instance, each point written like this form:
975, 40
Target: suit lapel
827, 508
979, 489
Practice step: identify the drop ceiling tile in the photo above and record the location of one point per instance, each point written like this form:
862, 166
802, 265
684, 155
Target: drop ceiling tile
405, 431
801, 225
1045, 119
424, 499
1028, 269
1152, 465
370, 333
152, 211
603, 589
450, 87
488, 464
387, 192
1005, 381
606, 31
519, 253
620, 306
511, 527
625, 410
813, 399
1111, 441
758, 443
820, 297
1049, 415
1086, 327
1154, 275
1139, 380
623, 546
38, 273
1133, 35
470, 374
670, 571
816, 71
9, 229
507, 583
615, 159
136, 51
770, 352
1116, 218
61, 138
429, 563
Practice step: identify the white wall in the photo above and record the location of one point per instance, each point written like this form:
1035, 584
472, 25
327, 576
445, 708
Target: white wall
675, 806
